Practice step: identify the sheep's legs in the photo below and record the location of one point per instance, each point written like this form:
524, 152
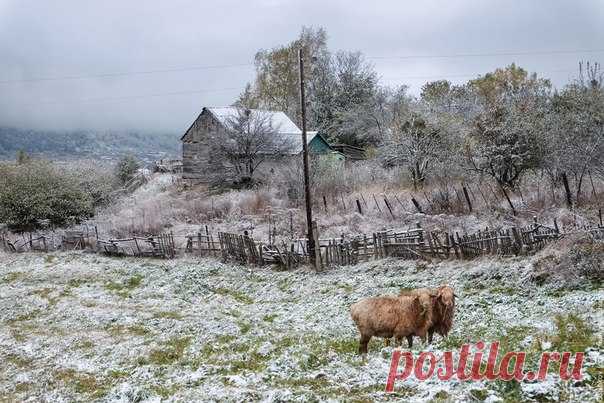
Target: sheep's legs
430, 336
386, 341
410, 341
363, 344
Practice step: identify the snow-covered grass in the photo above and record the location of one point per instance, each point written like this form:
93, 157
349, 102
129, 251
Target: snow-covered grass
78, 326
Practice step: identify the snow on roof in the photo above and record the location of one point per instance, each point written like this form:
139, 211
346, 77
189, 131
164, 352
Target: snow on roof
279, 120
296, 140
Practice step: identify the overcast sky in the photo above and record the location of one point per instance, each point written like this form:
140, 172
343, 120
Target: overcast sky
74, 38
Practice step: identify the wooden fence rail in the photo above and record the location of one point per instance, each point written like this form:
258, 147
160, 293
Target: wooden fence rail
415, 243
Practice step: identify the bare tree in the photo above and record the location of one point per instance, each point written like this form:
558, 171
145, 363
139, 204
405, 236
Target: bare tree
413, 143
251, 139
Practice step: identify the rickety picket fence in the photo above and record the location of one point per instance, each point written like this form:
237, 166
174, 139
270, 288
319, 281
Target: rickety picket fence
161, 245
412, 244
415, 243
202, 244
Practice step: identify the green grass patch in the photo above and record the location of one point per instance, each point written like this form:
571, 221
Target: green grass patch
76, 282
167, 315
45, 293
235, 294
509, 391
348, 288
479, 395
244, 327
165, 391
23, 387
18, 361
123, 289
118, 374
129, 330
173, 351
504, 290
85, 344
284, 284
440, 396
572, 334
83, 383
25, 317
12, 277
270, 318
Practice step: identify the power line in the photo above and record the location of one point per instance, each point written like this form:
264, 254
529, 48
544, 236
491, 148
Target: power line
126, 73
224, 66
461, 55
142, 96
463, 75
173, 93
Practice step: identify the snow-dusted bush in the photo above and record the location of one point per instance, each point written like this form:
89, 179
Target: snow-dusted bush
36, 194
575, 262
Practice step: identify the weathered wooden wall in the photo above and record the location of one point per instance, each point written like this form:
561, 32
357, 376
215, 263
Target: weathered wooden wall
196, 157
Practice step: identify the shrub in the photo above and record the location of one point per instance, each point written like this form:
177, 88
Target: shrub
37, 193
126, 168
573, 263
96, 179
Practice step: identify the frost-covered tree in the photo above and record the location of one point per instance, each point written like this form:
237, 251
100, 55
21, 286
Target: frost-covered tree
341, 88
415, 144
506, 138
352, 102
250, 140
126, 168
277, 85
577, 129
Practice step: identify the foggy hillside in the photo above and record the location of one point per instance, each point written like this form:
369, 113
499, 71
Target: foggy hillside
79, 144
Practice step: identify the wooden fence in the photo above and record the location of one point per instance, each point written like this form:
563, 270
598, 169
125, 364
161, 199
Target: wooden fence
155, 246
412, 244
415, 243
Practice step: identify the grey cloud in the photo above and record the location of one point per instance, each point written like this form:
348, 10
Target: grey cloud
72, 37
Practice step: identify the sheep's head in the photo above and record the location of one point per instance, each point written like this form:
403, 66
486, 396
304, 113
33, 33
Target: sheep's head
446, 296
444, 303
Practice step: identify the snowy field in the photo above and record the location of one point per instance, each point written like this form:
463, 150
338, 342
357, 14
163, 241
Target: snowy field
83, 327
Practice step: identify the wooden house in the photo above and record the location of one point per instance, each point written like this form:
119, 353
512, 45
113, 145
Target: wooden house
198, 163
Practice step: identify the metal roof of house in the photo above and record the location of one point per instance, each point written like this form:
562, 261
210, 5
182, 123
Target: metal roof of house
279, 120
283, 125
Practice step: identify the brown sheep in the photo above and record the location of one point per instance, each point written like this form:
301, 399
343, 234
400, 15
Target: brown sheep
441, 302
390, 316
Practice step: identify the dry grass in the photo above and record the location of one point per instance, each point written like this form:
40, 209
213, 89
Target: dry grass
385, 198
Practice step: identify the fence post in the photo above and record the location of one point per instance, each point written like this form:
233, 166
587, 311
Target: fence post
417, 206
517, 240
376, 203
199, 243
465, 192
388, 205
315, 231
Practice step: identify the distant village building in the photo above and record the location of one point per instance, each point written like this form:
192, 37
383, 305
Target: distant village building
351, 153
213, 122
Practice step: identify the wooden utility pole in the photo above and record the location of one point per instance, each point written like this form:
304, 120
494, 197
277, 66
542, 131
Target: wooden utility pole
311, 239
